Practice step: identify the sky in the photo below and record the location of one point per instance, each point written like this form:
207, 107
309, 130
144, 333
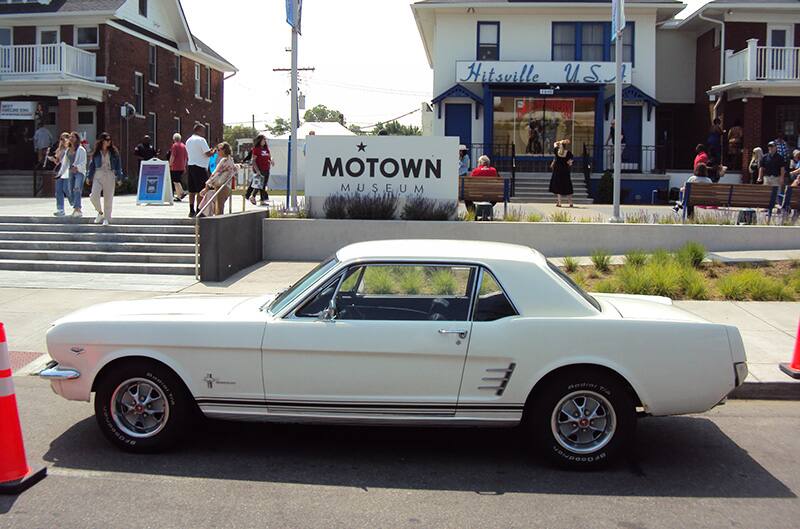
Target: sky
368, 55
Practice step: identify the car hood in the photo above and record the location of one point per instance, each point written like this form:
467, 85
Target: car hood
199, 307
647, 308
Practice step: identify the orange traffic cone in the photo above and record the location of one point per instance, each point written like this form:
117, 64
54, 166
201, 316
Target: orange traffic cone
793, 369
15, 474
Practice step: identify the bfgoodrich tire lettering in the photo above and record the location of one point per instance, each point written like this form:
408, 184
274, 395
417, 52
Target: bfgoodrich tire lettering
582, 419
172, 400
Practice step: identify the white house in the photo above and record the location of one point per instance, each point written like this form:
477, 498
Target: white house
521, 74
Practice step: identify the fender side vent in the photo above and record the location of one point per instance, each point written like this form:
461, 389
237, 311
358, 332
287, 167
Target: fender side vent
498, 378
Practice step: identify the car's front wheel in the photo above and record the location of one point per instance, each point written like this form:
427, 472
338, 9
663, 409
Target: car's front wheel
142, 406
583, 418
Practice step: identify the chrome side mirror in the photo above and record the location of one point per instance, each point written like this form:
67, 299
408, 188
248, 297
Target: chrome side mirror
329, 314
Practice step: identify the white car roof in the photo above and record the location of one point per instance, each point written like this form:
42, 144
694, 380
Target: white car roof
440, 249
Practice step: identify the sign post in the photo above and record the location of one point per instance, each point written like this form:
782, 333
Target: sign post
155, 185
293, 14
617, 28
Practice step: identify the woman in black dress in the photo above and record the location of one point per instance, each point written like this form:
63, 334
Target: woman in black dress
561, 182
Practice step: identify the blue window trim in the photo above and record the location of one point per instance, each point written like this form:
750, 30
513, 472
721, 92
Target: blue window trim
607, 56
478, 37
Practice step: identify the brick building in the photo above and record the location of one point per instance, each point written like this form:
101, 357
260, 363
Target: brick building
744, 57
79, 64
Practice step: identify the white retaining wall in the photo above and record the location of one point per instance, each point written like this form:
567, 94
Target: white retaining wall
316, 239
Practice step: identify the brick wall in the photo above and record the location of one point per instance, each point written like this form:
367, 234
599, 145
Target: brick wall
737, 34
706, 76
121, 54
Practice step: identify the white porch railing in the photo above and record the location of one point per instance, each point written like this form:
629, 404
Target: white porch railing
46, 60
762, 63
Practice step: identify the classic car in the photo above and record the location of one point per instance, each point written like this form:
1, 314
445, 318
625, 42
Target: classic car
411, 332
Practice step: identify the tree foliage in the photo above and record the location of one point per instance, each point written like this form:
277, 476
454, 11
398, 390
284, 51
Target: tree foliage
231, 133
280, 126
323, 113
394, 128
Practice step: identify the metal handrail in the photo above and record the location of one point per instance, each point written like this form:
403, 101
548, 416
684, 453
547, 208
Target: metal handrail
197, 226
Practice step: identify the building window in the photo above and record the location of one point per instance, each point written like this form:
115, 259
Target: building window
488, 41
589, 41
593, 42
138, 93
627, 44
197, 81
87, 37
151, 128
5, 37
143, 8
208, 83
178, 71
152, 65
177, 120
564, 42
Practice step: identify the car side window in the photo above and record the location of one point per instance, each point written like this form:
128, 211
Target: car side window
406, 292
319, 301
492, 303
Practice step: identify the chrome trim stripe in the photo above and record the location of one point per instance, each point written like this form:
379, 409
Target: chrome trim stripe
356, 405
58, 373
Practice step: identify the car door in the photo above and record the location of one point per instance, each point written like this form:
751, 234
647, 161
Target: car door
491, 362
386, 339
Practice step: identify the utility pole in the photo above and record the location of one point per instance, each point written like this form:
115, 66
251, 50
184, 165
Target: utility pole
291, 191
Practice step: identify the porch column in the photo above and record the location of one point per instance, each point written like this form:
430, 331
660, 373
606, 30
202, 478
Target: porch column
753, 112
67, 117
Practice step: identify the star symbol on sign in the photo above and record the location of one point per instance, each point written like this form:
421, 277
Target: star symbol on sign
361, 147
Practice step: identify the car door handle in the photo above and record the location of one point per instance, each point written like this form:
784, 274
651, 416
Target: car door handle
461, 333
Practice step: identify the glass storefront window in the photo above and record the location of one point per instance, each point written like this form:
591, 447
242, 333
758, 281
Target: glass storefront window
533, 124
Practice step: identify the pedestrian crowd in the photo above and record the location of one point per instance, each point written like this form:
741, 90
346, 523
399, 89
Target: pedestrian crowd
207, 175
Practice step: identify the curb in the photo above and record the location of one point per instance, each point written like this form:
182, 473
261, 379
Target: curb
788, 390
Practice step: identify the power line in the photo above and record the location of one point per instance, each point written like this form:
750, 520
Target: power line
390, 120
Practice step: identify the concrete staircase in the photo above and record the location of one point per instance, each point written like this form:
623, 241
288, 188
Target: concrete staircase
532, 187
128, 246
16, 183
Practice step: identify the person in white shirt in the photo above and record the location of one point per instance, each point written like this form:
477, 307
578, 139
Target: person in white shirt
197, 167
77, 172
42, 140
62, 161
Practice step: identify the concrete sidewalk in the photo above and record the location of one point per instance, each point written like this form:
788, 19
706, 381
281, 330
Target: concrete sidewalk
768, 328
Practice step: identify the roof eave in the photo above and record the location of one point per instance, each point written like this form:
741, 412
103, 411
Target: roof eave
421, 30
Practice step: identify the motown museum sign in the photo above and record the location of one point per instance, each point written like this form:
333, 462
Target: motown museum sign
403, 166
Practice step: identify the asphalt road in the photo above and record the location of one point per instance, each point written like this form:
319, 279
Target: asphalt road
736, 466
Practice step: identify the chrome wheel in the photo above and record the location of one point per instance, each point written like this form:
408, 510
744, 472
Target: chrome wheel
139, 408
583, 422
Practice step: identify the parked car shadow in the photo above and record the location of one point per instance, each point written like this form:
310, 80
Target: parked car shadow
674, 457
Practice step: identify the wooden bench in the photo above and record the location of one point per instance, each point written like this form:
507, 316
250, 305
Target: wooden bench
730, 196
492, 189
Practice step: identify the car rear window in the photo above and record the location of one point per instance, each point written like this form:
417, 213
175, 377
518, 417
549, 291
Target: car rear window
568, 280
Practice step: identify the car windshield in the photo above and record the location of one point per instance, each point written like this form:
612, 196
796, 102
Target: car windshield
568, 280
291, 293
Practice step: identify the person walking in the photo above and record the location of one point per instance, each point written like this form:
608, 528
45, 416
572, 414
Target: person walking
782, 147
77, 172
262, 162
221, 180
62, 161
197, 165
145, 151
735, 142
178, 158
714, 141
773, 167
794, 168
42, 139
561, 181
755, 164
105, 168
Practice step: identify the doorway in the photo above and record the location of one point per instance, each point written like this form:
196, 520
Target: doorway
47, 39
632, 128
780, 62
87, 124
458, 122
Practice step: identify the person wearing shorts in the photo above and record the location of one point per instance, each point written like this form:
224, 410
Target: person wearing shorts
198, 155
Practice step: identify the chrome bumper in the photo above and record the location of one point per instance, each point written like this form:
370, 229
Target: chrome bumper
53, 372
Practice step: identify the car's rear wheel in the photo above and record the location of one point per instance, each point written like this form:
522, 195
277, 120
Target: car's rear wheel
142, 406
582, 418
